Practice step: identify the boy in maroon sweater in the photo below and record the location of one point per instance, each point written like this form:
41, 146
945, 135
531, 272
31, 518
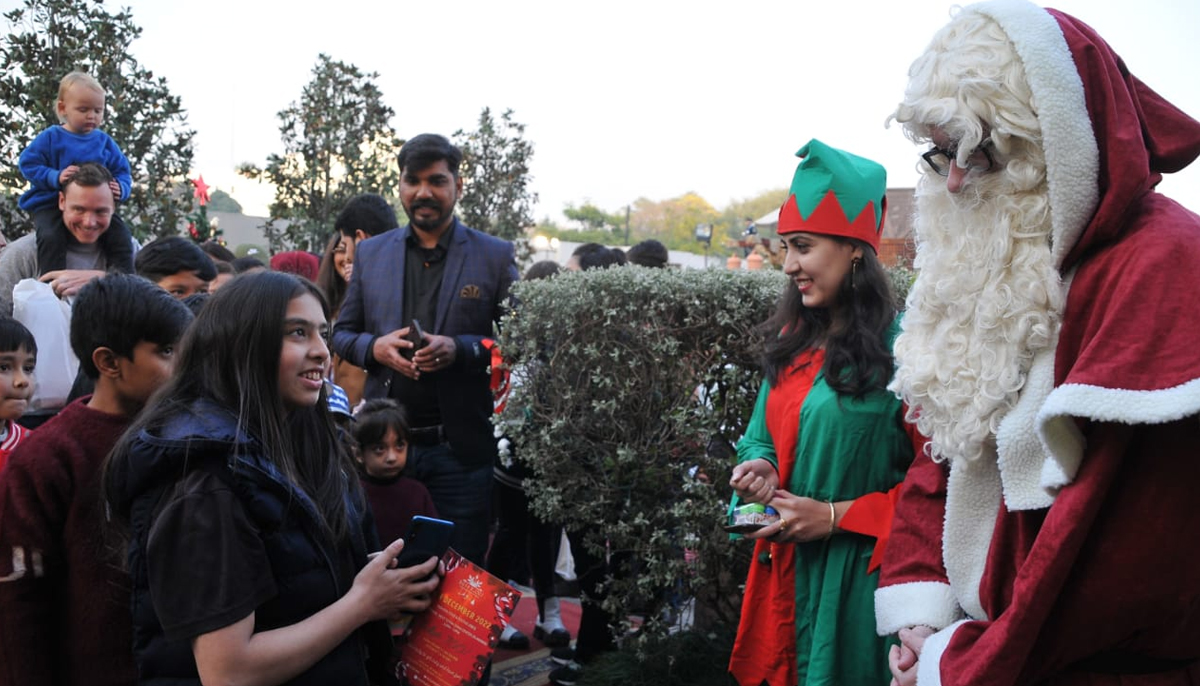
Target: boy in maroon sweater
64, 601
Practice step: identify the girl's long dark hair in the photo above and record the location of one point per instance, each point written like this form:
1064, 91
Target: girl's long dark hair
857, 358
230, 356
328, 279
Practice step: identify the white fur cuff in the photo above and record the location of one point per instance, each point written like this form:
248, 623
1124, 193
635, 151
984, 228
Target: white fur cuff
931, 603
929, 667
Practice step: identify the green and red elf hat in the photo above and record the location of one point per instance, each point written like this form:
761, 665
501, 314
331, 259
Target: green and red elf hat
836, 193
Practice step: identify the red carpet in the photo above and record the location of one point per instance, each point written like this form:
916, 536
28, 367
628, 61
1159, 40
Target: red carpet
530, 667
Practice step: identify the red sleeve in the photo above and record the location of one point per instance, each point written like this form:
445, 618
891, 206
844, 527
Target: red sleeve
871, 515
913, 588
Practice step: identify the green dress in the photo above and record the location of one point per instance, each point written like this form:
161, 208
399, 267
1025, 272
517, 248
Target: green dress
833, 449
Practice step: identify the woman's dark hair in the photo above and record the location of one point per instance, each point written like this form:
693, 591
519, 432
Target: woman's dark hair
857, 358
331, 283
230, 356
14, 336
378, 415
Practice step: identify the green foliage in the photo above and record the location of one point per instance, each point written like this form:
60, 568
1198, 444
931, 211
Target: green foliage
495, 170
46, 40
688, 658
901, 278
602, 236
733, 217
673, 222
338, 142
220, 201
625, 379
594, 219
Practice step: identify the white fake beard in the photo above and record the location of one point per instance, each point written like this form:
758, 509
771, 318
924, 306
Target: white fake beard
987, 298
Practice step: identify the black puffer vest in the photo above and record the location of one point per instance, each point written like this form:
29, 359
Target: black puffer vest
303, 559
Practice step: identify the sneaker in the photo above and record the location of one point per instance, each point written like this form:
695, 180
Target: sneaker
511, 639
563, 656
566, 675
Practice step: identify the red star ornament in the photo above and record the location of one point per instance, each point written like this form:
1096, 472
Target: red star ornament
201, 190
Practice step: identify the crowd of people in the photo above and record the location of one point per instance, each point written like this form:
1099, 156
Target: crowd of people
982, 485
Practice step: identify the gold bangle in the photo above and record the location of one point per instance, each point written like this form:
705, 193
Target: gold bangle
832, 519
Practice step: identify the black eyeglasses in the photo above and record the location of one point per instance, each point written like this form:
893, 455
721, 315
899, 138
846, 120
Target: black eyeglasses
939, 160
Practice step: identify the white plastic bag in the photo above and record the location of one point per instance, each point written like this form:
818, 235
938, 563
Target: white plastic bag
49, 320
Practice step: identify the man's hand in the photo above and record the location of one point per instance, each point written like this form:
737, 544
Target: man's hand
903, 659
439, 352
755, 481
67, 174
389, 351
67, 282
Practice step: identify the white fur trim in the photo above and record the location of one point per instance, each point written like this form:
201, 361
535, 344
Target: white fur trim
1056, 421
1032, 467
1072, 156
972, 504
930, 603
929, 667
1021, 453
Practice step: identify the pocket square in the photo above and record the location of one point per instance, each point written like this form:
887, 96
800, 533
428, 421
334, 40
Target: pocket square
470, 291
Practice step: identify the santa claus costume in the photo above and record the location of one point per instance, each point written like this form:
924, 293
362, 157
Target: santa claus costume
1044, 544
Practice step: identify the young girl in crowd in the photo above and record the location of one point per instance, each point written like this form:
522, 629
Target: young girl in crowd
826, 441
248, 537
18, 357
381, 432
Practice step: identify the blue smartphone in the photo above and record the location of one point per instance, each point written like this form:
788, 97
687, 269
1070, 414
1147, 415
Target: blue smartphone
427, 537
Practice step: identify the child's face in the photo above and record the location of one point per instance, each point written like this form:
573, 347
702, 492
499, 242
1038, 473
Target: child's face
184, 283
142, 375
386, 459
304, 355
16, 382
82, 109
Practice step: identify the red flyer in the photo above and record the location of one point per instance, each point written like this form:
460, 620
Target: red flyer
451, 643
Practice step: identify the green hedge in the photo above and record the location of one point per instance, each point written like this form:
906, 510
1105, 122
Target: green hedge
630, 386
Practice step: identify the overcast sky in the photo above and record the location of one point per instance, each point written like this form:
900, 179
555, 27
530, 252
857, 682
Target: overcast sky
652, 98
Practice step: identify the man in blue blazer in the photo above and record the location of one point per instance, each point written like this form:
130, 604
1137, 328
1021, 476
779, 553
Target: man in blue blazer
453, 281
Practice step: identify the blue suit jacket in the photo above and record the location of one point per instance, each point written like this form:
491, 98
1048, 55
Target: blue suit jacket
474, 294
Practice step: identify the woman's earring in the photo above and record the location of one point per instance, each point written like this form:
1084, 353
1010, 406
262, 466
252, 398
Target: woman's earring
854, 273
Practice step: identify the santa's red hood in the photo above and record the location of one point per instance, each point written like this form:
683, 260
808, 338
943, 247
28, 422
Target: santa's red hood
1108, 137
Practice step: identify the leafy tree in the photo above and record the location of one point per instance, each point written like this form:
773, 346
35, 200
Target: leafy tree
592, 218
338, 142
220, 201
46, 39
733, 217
496, 197
673, 222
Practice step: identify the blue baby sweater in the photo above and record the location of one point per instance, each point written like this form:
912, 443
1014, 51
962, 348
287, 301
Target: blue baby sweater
55, 149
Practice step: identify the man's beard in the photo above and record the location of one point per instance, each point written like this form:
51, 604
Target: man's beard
428, 225
986, 300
